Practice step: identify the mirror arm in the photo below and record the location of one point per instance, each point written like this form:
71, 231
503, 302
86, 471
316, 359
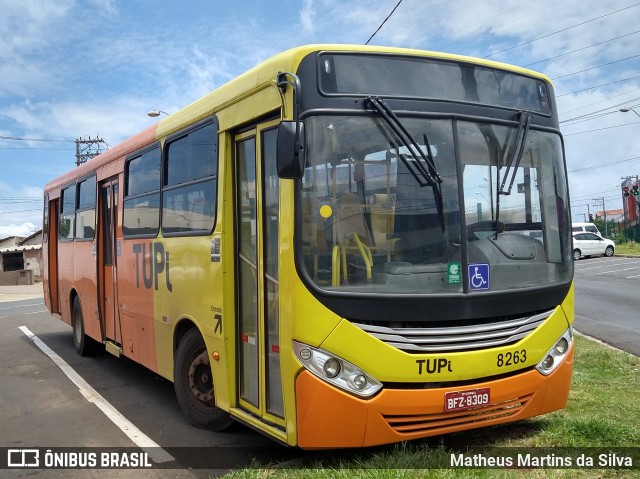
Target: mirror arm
283, 81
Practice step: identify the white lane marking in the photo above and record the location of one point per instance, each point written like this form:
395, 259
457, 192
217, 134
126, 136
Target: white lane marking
37, 312
605, 264
617, 270
20, 306
140, 439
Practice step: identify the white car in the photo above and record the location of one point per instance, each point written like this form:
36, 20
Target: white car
591, 244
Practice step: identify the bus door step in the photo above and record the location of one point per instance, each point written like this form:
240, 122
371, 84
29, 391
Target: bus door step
113, 348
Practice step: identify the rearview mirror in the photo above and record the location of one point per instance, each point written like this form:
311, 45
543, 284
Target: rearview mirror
291, 149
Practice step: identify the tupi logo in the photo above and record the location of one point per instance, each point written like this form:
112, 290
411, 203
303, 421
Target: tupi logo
431, 366
154, 261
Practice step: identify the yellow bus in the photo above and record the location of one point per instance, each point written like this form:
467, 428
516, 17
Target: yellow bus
344, 246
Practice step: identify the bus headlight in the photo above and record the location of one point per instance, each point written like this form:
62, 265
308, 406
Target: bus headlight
336, 371
360, 382
556, 354
331, 368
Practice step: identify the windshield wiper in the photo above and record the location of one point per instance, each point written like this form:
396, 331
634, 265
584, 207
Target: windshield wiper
519, 143
423, 168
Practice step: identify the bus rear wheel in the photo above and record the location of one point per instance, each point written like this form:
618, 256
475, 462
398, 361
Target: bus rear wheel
85, 346
193, 383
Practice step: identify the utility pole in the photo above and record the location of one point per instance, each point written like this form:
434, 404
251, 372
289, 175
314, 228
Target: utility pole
87, 148
604, 211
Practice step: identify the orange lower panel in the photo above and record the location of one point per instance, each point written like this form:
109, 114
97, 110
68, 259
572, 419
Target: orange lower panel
330, 418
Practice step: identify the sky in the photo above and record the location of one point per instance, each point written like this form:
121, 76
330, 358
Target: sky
94, 68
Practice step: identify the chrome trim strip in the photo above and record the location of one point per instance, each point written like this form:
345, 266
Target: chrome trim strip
457, 338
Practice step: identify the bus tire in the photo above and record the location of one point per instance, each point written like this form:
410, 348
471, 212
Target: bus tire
85, 346
193, 383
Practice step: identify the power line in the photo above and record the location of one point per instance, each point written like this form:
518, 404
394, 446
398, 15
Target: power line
604, 164
598, 113
36, 148
600, 129
20, 211
20, 198
17, 138
583, 197
496, 16
583, 48
598, 86
587, 198
589, 118
560, 31
603, 101
383, 22
597, 66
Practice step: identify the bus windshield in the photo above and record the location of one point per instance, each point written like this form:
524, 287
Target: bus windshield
371, 224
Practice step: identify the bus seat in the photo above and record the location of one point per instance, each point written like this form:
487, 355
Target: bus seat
314, 237
352, 234
350, 219
382, 210
314, 234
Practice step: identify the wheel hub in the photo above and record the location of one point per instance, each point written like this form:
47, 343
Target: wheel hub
200, 378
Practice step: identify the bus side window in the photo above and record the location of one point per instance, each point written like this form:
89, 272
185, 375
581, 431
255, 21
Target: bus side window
142, 195
189, 190
66, 229
86, 213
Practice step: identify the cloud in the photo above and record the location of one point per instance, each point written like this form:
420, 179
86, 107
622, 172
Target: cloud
307, 16
114, 118
107, 6
26, 29
20, 210
23, 229
25, 26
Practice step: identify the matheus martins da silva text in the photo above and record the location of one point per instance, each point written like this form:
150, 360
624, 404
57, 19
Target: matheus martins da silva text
604, 460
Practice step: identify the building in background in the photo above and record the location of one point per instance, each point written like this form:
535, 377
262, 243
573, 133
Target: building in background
21, 259
631, 206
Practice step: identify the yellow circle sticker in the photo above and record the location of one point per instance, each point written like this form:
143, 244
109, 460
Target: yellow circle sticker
326, 211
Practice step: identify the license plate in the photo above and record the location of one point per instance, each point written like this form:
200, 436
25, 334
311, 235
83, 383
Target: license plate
461, 400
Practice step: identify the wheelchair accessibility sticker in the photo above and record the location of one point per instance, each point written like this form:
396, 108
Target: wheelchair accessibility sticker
479, 276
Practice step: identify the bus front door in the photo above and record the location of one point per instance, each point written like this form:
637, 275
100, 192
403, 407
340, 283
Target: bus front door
107, 260
256, 210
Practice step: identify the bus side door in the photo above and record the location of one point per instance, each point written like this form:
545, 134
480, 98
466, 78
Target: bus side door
107, 263
256, 213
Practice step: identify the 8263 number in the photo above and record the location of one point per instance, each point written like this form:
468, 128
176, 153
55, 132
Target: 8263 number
511, 358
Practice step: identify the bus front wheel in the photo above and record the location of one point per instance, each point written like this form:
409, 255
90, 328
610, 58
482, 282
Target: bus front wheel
193, 383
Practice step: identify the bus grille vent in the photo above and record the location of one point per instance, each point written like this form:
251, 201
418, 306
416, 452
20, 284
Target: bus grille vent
432, 423
457, 338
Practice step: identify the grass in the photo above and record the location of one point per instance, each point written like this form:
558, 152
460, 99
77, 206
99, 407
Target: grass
631, 247
603, 411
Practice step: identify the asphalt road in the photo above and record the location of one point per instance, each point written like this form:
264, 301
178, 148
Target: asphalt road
41, 407
607, 300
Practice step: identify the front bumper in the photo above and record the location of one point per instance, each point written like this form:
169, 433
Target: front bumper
330, 418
